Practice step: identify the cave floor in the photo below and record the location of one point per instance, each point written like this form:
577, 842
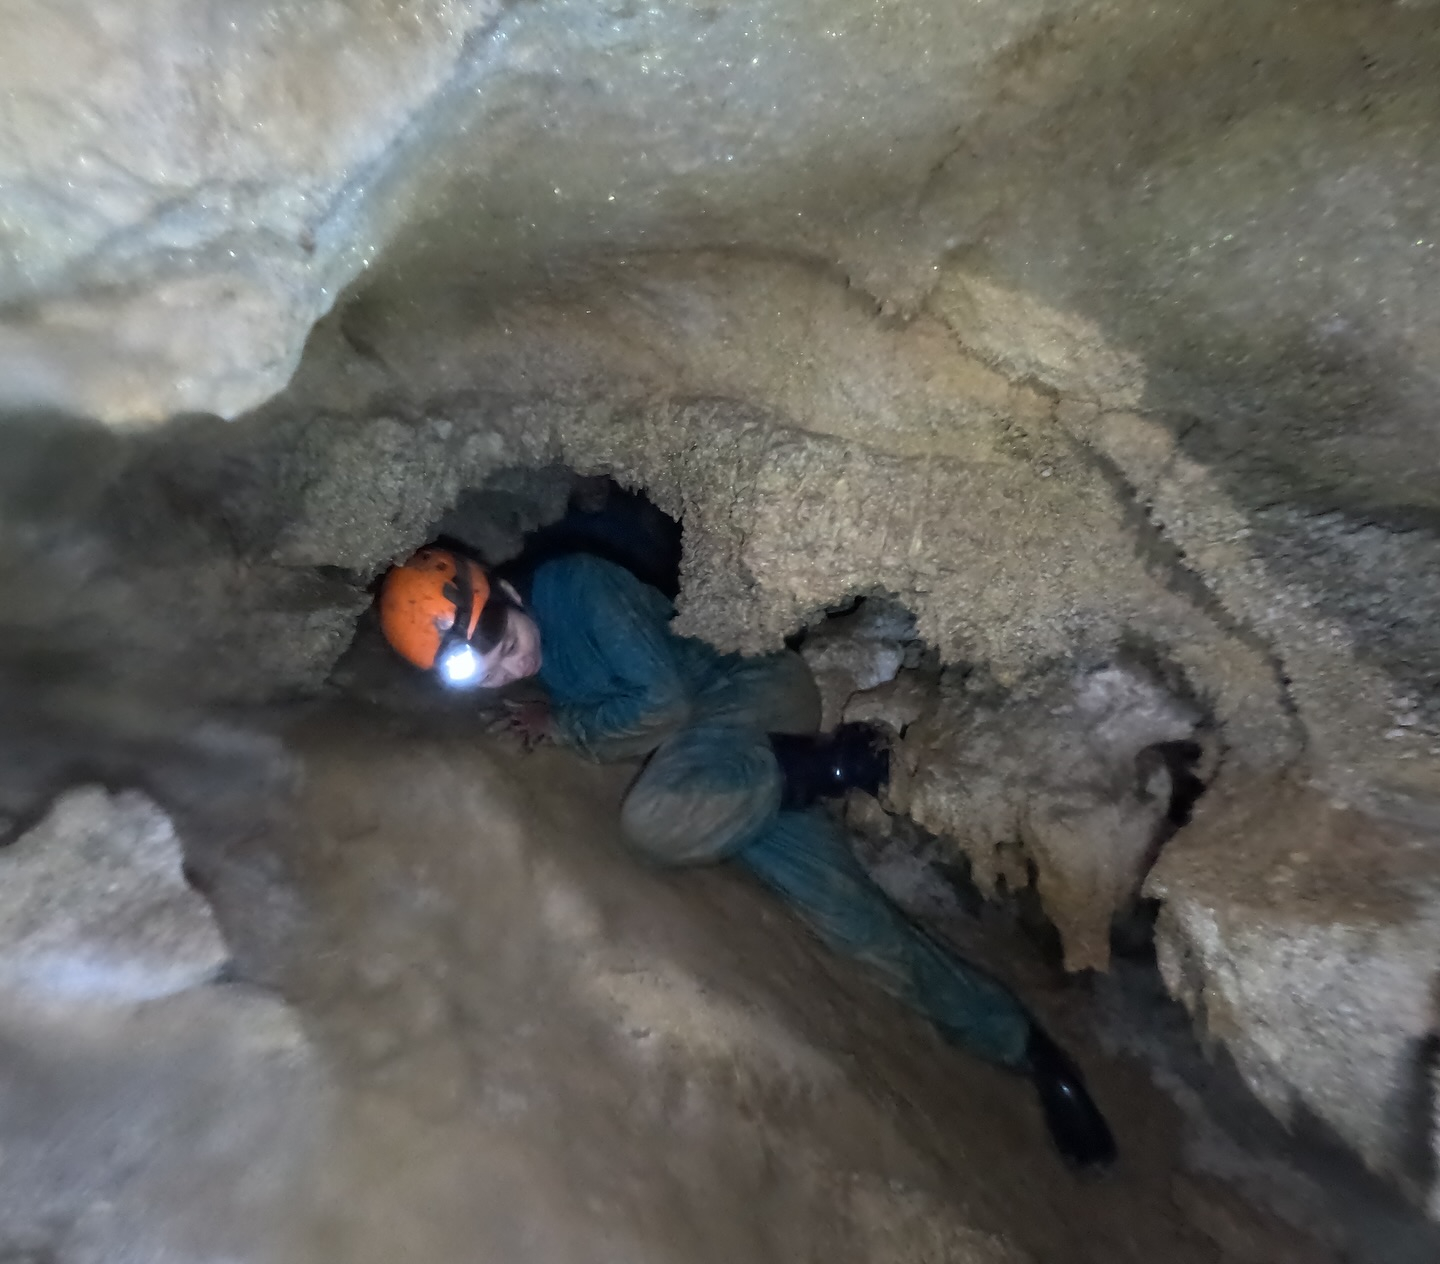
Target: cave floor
538, 1049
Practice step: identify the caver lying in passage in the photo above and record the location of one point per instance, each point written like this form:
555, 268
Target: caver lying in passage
733, 767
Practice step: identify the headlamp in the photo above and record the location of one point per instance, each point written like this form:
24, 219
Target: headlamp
457, 662
460, 665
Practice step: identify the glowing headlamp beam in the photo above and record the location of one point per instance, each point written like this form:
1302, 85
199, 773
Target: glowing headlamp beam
461, 666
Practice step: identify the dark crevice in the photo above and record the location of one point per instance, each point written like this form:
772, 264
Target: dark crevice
1132, 931
1415, 1114
622, 526
522, 518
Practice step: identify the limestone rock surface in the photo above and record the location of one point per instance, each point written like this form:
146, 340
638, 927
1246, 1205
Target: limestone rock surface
1054, 776
180, 182
1304, 937
1070, 326
858, 652
186, 1129
95, 910
147, 1112
1104, 196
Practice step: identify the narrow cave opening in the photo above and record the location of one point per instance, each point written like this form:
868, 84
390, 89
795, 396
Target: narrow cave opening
872, 667
597, 516
517, 520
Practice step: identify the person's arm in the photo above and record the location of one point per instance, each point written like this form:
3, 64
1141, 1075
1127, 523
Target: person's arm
615, 686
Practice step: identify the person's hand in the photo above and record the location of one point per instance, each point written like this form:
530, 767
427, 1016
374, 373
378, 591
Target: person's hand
530, 721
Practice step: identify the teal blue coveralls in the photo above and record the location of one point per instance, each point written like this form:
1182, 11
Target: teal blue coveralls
622, 685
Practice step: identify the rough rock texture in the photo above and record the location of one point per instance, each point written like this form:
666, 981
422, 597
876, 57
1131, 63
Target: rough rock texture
145, 1112
1305, 936
1059, 775
859, 651
1018, 528
1339, 600
180, 182
1230, 1139
815, 453
544, 1050
94, 909
180, 1131
1243, 202
1073, 326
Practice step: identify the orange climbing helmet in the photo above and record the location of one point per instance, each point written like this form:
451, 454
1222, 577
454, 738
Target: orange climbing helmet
430, 607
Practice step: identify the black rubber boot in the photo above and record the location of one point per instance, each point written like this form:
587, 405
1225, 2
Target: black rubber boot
826, 765
1076, 1125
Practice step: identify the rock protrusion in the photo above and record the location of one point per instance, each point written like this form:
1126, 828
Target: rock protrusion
95, 909
1055, 781
1304, 936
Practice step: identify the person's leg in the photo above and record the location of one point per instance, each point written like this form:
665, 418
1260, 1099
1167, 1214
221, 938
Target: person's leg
805, 858
706, 792
714, 790
713, 786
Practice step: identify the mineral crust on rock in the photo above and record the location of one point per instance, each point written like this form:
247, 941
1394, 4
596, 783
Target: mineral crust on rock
1054, 775
95, 910
1304, 937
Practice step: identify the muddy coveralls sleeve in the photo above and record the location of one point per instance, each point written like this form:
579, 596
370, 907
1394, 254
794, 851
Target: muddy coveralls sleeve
610, 667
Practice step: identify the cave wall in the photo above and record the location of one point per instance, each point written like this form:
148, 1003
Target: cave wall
853, 456
1076, 328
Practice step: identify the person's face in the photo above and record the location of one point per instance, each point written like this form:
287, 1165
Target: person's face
517, 655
